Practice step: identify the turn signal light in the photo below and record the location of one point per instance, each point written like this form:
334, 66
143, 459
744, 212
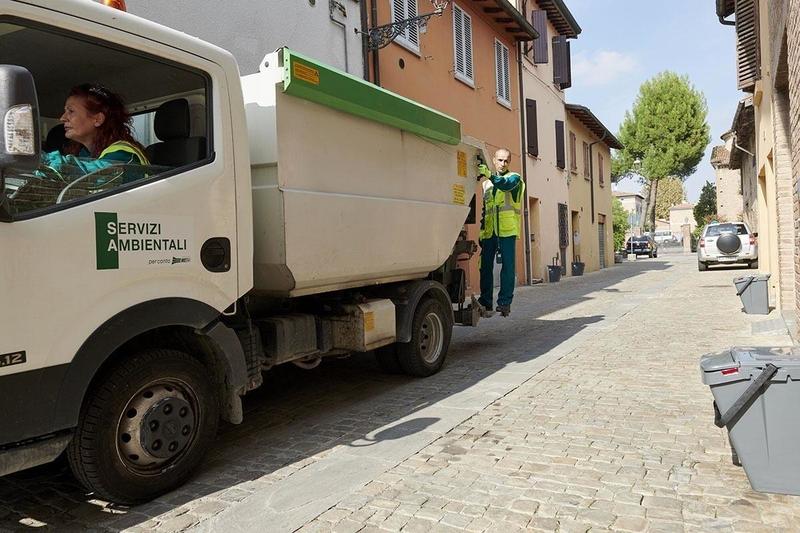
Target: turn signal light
729, 371
116, 4
702, 243
752, 239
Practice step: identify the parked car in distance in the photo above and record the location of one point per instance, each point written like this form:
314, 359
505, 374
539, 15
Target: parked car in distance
664, 237
642, 245
727, 243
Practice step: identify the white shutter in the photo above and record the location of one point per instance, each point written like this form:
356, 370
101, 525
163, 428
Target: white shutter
403, 10
502, 73
462, 45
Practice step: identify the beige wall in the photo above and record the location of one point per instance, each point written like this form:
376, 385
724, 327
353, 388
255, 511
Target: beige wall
547, 184
580, 200
679, 217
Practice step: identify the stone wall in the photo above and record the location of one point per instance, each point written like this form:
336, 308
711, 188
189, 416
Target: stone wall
793, 47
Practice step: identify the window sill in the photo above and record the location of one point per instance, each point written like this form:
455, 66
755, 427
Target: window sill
465, 80
503, 102
402, 43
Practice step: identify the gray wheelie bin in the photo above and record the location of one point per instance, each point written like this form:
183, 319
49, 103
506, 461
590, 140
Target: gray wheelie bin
754, 292
756, 398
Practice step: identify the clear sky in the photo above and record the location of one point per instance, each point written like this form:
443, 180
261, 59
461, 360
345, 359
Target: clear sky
625, 42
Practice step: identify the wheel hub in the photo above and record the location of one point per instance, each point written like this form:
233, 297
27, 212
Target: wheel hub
157, 426
431, 337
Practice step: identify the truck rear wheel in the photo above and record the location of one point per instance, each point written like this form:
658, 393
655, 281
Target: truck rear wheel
431, 331
144, 427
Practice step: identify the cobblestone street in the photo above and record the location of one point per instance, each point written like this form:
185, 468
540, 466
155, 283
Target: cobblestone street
582, 411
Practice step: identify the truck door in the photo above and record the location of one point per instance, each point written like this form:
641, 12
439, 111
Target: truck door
88, 243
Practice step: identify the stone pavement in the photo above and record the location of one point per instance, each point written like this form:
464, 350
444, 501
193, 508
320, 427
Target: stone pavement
582, 411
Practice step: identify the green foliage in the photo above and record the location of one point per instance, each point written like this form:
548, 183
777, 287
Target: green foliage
670, 193
666, 129
619, 219
706, 204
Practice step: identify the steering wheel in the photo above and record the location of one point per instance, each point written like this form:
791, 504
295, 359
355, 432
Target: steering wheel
117, 174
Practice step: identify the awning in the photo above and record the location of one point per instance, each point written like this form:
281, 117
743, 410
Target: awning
594, 125
560, 17
507, 17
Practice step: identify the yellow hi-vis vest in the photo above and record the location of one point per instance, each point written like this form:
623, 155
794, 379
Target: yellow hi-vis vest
124, 146
503, 212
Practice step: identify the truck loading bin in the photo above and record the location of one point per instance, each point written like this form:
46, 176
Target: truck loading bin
756, 396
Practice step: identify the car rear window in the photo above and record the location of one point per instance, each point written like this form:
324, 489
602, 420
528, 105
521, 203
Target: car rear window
738, 229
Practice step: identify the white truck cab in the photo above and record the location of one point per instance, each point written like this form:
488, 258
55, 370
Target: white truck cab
132, 319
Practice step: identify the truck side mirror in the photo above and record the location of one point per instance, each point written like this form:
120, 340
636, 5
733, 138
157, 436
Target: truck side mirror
19, 116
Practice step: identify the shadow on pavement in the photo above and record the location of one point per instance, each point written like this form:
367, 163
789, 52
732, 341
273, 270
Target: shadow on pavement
299, 414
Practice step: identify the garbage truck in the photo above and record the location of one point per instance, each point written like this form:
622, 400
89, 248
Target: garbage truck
286, 216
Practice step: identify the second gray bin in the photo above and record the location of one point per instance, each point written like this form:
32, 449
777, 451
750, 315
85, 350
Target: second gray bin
757, 397
754, 292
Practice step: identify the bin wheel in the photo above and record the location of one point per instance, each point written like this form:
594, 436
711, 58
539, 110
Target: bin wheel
144, 426
386, 356
431, 330
702, 267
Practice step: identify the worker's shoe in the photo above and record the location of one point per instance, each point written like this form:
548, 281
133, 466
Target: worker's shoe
485, 312
504, 310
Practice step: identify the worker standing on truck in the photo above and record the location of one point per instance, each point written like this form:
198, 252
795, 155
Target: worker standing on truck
500, 227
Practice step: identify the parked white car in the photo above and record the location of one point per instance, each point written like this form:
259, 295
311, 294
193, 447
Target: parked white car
725, 243
664, 237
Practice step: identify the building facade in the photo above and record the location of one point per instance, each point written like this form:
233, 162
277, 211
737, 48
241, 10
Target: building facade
589, 145
763, 71
728, 182
633, 202
680, 215
250, 29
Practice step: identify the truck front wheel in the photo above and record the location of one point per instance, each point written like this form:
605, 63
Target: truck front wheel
431, 330
144, 427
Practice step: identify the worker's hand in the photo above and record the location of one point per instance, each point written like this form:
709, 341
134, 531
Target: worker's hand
484, 171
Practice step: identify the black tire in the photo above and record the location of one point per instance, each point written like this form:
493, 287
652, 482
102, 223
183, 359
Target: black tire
650, 255
386, 356
431, 331
702, 267
154, 392
753, 264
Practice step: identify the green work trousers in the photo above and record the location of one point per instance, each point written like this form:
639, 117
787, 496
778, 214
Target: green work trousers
489, 247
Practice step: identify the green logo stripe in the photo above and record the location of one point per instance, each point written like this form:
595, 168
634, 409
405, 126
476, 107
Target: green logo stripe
107, 255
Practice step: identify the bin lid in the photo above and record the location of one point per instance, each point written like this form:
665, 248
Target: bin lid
763, 277
743, 279
739, 362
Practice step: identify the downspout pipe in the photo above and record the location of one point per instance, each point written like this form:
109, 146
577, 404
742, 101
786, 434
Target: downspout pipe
364, 48
591, 171
526, 231
376, 65
721, 14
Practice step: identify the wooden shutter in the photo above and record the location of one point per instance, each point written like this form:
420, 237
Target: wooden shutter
531, 131
748, 61
462, 44
573, 152
560, 162
539, 23
403, 10
585, 159
562, 63
600, 177
502, 72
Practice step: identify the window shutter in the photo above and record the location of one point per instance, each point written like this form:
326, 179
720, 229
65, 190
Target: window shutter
600, 176
560, 162
573, 152
748, 61
585, 159
539, 23
562, 63
506, 76
531, 131
403, 10
502, 72
413, 30
462, 44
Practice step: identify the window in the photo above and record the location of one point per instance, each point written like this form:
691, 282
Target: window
531, 130
409, 37
560, 156
502, 73
562, 64
573, 153
600, 176
586, 157
462, 46
169, 104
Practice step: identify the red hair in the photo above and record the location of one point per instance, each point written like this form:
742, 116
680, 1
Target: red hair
117, 123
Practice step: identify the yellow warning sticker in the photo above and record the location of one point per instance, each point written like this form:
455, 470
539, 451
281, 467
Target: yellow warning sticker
306, 73
462, 164
459, 195
369, 321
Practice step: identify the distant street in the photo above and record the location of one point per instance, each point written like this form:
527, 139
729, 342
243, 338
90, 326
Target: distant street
583, 410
